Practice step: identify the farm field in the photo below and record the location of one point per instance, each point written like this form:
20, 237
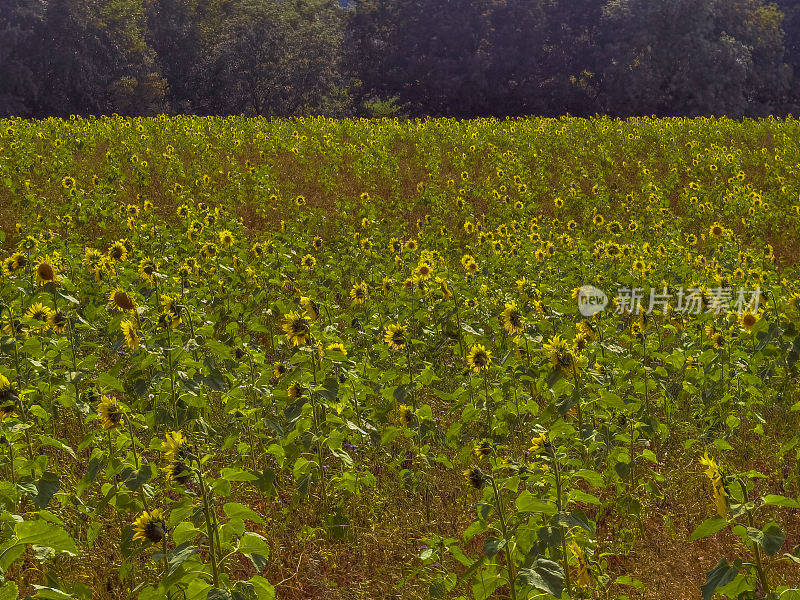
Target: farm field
310, 358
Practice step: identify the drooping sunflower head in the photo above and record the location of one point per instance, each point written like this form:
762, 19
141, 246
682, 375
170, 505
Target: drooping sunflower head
174, 446
45, 271
396, 336
539, 443
130, 333
297, 328
296, 390
8, 396
310, 307
479, 358
278, 370
150, 527
336, 347
476, 477
109, 411
483, 449
120, 300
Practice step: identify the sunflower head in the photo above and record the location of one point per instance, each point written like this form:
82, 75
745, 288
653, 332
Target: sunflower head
358, 293
476, 477
45, 271
396, 336
109, 411
297, 328
479, 358
57, 321
559, 353
150, 527
512, 319
121, 300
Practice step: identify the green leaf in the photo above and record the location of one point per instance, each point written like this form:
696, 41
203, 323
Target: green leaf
49, 593
708, 527
770, 539
611, 400
263, 588
253, 543
492, 546
719, 576
9, 591
235, 510
42, 533
544, 575
527, 502
236, 474
782, 501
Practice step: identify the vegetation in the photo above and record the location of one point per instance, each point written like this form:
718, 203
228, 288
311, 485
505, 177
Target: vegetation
399, 57
255, 358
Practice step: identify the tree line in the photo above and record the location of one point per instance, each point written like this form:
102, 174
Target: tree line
460, 58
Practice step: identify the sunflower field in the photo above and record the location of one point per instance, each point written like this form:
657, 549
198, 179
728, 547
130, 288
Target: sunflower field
250, 358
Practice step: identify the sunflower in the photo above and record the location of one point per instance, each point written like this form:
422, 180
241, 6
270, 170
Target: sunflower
336, 347
150, 527
110, 414
479, 358
476, 477
147, 269
278, 370
45, 271
423, 271
8, 398
130, 334
584, 577
747, 320
310, 307
297, 329
174, 445
396, 336
358, 293
512, 319
57, 321
483, 449
718, 341
39, 312
226, 238
559, 353
296, 390
316, 243
120, 300
717, 478
117, 252
539, 443
10, 265
716, 230
308, 262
